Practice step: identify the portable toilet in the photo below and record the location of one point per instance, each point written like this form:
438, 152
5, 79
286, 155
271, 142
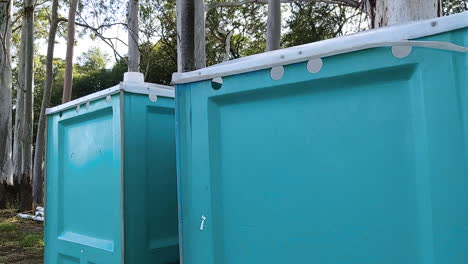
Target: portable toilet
111, 177
349, 150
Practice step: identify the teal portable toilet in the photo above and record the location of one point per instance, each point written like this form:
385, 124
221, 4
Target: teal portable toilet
111, 180
350, 150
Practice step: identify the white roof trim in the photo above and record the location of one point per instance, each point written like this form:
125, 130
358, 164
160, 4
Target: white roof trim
130, 87
387, 36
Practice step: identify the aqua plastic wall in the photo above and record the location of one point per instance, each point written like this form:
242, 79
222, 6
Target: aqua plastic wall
111, 183
151, 227
363, 162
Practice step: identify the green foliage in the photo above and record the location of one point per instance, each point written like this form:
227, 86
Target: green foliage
91, 81
41, 21
248, 25
39, 81
97, 13
158, 20
159, 34
310, 22
92, 60
90, 75
159, 61
454, 6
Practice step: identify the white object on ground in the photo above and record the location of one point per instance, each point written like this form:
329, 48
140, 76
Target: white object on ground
38, 215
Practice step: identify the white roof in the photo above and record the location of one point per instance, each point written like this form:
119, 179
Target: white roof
397, 35
131, 87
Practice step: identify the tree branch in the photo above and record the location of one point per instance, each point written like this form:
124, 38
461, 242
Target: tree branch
350, 3
106, 40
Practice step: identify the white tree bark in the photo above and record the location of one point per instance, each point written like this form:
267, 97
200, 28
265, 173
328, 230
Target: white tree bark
38, 169
22, 145
18, 142
133, 36
273, 25
5, 93
29, 90
68, 78
391, 12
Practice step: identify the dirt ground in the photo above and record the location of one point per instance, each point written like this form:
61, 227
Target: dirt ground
21, 240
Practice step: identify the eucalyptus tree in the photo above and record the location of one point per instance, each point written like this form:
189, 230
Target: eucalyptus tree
133, 36
94, 17
273, 25
186, 46
390, 12
22, 159
68, 82
39, 152
5, 92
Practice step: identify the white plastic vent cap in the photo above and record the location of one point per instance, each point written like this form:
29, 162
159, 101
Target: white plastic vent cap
137, 77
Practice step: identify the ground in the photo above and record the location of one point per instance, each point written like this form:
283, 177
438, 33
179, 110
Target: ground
21, 240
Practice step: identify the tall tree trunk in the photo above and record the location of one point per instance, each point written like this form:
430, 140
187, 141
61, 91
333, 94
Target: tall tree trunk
185, 35
190, 35
391, 12
68, 78
5, 94
133, 49
38, 172
199, 34
18, 140
273, 25
23, 136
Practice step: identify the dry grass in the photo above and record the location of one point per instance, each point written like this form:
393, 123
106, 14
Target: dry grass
21, 240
